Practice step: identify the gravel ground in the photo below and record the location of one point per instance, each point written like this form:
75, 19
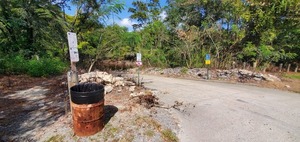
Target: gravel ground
37, 113
126, 122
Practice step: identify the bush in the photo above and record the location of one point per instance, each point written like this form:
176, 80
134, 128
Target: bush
13, 64
184, 70
17, 64
45, 67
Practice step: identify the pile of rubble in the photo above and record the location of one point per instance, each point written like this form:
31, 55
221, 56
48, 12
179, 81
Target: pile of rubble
106, 79
138, 94
244, 75
240, 75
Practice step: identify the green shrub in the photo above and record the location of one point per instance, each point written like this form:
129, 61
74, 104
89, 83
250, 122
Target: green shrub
2, 67
13, 64
184, 70
45, 67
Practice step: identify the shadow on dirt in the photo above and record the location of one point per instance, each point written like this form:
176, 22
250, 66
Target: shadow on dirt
22, 122
24, 113
109, 112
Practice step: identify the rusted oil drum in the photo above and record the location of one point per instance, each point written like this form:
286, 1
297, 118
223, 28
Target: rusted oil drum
87, 108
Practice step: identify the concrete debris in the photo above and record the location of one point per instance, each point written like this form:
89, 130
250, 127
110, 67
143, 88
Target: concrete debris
131, 88
135, 94
241, 75
257, 78
108, 88
106, 79
271, 78
129, 83
116, 79
245, 72
119, 83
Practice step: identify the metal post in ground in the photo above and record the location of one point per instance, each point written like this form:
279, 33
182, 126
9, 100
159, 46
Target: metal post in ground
207, 72
138, 76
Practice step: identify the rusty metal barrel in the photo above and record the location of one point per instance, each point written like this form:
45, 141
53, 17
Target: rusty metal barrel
87, 102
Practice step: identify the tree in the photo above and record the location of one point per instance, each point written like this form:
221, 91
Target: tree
26, 25
145, 12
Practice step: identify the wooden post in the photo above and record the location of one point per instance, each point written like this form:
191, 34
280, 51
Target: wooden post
244, 65
233, 65
297, 67
74, 57
288, 68
254, 65
207, 73
72, 77
280, 67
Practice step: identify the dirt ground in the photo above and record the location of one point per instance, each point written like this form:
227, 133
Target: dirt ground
34, 109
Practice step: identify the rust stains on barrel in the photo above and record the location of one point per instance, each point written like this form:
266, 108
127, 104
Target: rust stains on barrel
87, 108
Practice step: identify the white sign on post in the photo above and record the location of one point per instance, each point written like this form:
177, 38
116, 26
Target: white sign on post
72, 41
138, 57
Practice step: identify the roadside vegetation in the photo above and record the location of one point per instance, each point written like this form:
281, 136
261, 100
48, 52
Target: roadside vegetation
292, 75
262, 34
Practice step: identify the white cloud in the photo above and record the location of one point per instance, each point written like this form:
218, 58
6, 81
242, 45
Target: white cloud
126, 22
163, 15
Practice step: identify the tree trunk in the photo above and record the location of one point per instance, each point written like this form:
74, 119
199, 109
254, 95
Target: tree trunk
91, 66
280, 67
254, 65
288, 68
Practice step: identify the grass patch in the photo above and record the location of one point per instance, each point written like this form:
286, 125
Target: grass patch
109, 131
149, 133
169, 136
127, 138
56, 138
184, 70
292, 75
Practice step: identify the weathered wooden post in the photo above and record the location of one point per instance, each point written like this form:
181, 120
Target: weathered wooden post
233, 65
72, 75
297, 67
254, 65
244, 65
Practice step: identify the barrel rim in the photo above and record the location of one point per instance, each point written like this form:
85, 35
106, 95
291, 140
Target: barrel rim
102, 90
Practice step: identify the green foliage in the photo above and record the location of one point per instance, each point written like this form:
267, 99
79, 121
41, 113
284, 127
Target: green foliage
241, 31
45, 67
17, 64
184, 70
56, 138
169, 136
292, 75
13, 64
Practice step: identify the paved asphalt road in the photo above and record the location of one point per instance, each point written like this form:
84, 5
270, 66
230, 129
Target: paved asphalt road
226, 112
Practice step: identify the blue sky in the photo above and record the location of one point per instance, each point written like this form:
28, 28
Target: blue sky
122, 18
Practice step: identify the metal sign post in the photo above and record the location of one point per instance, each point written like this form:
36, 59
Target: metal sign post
139, 63
74, 57
207, 62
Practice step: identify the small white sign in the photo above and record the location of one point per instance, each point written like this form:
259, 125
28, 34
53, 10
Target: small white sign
74, 56
72, 41
138, 57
